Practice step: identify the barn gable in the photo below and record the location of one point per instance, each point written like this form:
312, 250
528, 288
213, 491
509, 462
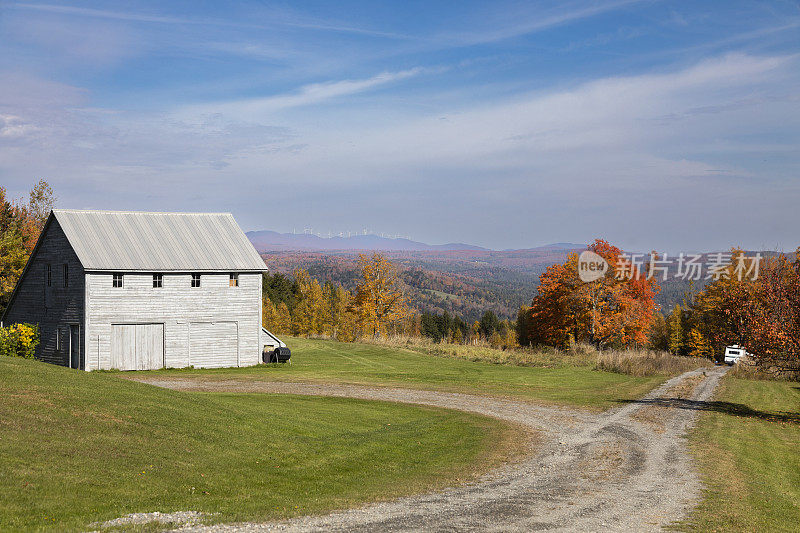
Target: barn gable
50, 293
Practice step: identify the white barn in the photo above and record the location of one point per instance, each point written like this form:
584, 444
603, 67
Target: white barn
137, 291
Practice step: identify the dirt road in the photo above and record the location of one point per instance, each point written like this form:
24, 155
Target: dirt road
626, 469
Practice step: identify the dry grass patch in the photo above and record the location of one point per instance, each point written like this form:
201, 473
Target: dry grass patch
747, 369
648, 363
544, 357
632, 362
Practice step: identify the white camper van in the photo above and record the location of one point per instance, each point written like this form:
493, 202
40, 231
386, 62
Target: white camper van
734, 353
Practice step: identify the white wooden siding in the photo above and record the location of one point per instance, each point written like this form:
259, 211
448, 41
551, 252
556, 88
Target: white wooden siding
137, 346
213, 344
176, 306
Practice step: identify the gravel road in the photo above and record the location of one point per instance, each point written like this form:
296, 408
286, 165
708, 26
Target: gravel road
626, 469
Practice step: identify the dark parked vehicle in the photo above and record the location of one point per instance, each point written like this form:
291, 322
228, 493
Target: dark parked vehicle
278, 355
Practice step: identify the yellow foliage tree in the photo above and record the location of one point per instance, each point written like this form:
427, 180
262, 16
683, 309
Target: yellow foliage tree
379, 301
699, 346
268, 314
283, 320
309, 314
475, 332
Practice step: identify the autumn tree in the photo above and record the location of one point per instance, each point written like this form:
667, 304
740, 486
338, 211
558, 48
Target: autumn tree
717, 316
675, 330
658, 334
41, 201
614, 310
474, 336
21, 222
309, 313
338, 320
283, 319
771, 330
268, 314
379, 301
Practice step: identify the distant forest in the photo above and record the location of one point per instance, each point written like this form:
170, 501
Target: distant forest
463, 283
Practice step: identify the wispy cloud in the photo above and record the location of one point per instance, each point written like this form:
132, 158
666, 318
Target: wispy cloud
285, 18
107, 14
312, 94
535, 21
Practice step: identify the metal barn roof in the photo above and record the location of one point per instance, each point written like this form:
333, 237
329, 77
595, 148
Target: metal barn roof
154, 242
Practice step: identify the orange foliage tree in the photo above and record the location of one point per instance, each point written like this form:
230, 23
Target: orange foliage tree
610, 311
717, 316
20, 225
771, 315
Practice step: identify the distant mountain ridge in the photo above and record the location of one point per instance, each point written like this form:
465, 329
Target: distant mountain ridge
272, 241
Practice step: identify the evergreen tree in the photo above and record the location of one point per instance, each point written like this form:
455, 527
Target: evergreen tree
489, 324
280, 288
523, 327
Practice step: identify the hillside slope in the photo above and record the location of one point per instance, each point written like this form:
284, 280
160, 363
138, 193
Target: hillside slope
81, 447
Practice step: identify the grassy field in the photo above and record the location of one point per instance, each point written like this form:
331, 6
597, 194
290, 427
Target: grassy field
748, 448
78, 447
330, 361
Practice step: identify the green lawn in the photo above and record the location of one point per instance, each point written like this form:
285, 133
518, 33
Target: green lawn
748, 447
81, 447
331, 361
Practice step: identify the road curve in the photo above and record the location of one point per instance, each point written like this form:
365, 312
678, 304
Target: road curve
626, 469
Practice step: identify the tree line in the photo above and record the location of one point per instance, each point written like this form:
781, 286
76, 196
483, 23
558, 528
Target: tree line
301, 305
761, 314
758, 312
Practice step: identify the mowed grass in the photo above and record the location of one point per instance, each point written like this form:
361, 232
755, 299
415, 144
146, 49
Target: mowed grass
748, 448
328, 361
77, 448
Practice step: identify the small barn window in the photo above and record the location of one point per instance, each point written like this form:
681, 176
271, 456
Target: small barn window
195, 280
234, 280
158, 281
117, 282
58, 339
66, 275
49, 275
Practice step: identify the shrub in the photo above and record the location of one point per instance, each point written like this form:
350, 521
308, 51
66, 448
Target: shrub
19, 340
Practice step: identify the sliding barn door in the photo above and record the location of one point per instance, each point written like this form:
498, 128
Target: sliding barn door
137, 346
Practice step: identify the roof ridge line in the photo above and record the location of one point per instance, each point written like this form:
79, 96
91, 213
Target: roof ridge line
110, 212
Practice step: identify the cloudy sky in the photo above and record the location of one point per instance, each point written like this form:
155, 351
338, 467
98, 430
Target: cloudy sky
656, 125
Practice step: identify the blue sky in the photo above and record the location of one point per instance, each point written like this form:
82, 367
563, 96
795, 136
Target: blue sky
655, 125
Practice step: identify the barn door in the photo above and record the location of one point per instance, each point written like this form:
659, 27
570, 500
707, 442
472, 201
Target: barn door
213, 344
137, 346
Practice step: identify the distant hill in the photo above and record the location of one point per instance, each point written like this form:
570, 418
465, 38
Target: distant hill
554, 246
272, 241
